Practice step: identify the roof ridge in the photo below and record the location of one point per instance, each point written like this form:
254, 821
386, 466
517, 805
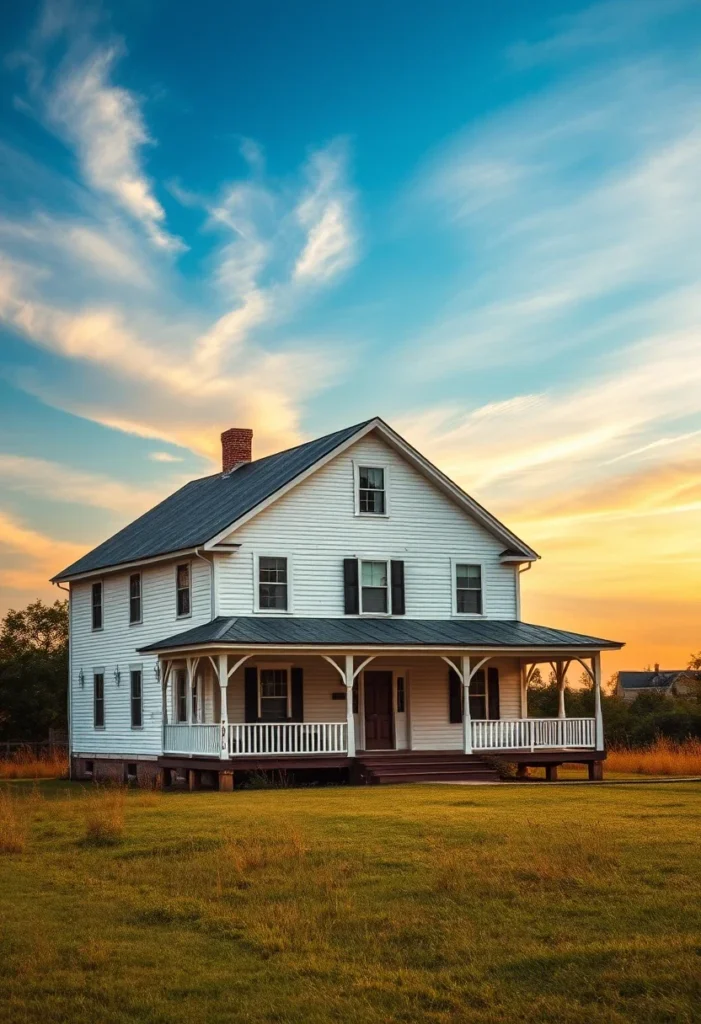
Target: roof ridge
228, 623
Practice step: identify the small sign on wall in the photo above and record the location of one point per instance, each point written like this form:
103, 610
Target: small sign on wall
338, 696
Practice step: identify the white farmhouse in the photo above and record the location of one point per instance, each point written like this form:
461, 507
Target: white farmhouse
341, 606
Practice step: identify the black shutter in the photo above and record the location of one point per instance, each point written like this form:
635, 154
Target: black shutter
250, 688
454, 696
350, 586
493, 691
297, 681
397, 588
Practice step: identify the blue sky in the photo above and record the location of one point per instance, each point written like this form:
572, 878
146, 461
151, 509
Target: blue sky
478, 221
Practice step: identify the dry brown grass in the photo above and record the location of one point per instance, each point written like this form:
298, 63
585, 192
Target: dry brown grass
104, 816
664, 757
16, 815
24, 764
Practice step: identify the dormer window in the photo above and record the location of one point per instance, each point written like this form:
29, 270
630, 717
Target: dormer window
371, 490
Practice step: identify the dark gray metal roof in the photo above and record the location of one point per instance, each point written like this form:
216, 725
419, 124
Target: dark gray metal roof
203, 508
654, 680
352, 632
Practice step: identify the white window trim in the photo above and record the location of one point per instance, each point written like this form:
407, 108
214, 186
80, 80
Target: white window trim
188, 563
256, 583
287, 666
387, 562
370, 464
97, 671
137, 667
140, 620
454, 563
98, 629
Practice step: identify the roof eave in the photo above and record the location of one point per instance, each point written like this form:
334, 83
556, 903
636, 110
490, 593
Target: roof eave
68, 577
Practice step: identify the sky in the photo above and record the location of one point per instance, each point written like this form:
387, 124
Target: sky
479, 222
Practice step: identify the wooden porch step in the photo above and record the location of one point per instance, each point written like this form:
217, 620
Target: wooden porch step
395, 766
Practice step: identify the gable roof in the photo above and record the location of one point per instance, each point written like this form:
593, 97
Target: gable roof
205, 510
279, 631
655, 680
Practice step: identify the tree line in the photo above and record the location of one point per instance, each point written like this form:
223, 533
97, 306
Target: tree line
34, 671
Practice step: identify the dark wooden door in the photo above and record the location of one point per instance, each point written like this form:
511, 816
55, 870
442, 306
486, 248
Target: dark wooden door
379, 719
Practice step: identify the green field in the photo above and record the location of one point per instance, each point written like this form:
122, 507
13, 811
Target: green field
414, 903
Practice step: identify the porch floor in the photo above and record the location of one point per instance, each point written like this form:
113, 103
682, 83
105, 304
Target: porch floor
375, 767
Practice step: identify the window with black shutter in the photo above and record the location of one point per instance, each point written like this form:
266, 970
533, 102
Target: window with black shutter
99, 700
137, 718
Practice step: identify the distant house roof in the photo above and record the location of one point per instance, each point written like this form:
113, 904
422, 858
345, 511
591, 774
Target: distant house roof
204, 508
654, 680
351, 632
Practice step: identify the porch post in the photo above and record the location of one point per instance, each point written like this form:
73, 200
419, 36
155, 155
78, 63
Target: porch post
598, 715
560, 671
466, 723
350, 720
188, 663
223, 708
524, 690
162, 671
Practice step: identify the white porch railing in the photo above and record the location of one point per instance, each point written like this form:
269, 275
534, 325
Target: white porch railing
191, 739
262, 738
534, 734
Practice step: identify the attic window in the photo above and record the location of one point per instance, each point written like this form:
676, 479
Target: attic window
371, 491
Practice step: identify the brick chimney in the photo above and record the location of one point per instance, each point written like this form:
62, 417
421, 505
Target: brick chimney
236, 448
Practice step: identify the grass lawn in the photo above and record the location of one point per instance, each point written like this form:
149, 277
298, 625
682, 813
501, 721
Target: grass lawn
413, 903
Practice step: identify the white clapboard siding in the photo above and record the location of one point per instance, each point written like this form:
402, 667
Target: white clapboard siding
430, 725
116, 645
320, 681
314, 525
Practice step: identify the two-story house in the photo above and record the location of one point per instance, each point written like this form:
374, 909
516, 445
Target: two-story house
340, 605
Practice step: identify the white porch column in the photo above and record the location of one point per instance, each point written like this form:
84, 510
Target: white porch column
188, 673
524, 690
598, 715
466, 721
223, 706
350, 719
560, 673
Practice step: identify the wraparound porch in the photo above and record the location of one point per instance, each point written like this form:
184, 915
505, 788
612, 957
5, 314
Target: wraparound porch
305, 703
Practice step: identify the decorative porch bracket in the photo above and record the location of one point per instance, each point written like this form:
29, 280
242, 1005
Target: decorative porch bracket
225, 673
349, 674
466, 674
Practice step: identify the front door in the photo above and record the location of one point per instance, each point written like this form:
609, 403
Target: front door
379, 719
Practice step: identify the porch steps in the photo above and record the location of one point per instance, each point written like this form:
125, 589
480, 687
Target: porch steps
392, 767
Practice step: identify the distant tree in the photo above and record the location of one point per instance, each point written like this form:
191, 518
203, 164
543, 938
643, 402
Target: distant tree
33, 671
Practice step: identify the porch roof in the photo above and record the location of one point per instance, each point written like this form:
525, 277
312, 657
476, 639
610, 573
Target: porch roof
278, 631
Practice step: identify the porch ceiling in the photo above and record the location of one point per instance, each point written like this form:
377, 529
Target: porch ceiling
367, 633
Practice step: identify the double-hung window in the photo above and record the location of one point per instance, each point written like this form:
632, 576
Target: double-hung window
99, 700
182, 587
478, 697
135, 598
373, 587
272, 584
468, 589
97, 605
372, 491
274, 694
181, 695
137, 715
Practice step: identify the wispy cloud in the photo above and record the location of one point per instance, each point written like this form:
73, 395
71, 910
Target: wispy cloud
595, 28
30, 557
272, 245
40, 477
